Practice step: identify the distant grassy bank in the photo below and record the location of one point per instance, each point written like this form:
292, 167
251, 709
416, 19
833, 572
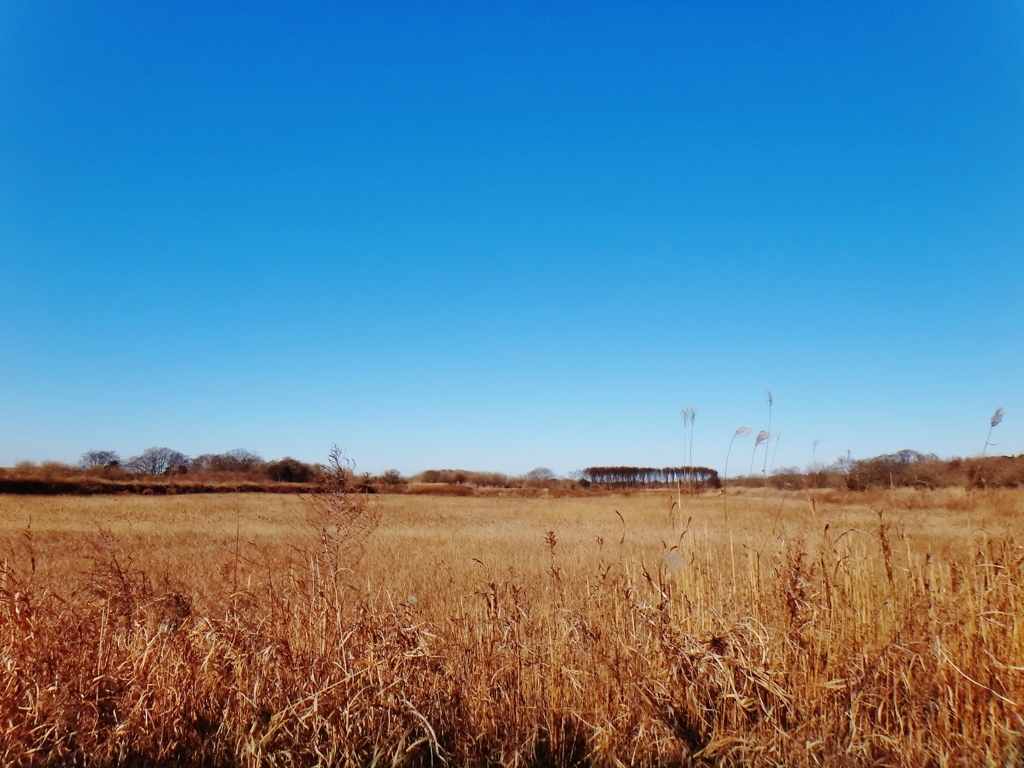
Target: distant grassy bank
244, 472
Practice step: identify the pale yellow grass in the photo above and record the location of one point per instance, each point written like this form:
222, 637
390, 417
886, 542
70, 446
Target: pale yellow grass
824, 628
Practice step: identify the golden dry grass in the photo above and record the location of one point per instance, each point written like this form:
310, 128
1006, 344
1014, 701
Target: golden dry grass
822, 629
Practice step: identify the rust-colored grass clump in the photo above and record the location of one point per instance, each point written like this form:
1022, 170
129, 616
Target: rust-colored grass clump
823, 628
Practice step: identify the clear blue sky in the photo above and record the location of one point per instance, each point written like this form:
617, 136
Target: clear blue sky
498, 236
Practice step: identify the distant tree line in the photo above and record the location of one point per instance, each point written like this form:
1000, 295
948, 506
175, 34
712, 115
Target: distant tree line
463, 477
540, 477
637, 477
167, 461
901, 469
157, 467
926, 470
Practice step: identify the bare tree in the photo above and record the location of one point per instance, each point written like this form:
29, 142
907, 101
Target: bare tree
92, 459
392, 477
237, 460
157, 461
541, 473
245, 459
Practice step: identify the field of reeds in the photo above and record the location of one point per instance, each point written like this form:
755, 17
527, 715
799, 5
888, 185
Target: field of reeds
815, 628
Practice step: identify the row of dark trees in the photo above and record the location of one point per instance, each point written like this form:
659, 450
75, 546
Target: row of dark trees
638, 477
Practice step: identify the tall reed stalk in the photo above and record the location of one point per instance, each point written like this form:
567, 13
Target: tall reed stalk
741, 432
688, 413
762, 436
992, 424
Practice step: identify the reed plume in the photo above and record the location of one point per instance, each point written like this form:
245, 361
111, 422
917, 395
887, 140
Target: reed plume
688, 413
762, 436
992, 424
741, 432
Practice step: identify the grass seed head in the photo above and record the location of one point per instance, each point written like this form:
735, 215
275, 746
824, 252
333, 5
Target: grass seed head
997, 417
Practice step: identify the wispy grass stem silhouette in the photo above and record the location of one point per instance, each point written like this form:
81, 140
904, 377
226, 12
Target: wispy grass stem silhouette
992, 424
770, 400
762, 436
741, 432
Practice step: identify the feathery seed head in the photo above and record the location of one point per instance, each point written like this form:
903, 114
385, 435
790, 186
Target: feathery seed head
997, 417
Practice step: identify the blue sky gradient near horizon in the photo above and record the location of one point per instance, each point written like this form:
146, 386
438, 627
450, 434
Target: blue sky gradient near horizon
497, 238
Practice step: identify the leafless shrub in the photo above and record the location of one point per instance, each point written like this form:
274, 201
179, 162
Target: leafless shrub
341, 518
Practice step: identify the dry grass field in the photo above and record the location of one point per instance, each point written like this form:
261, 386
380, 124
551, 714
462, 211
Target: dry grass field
786, 629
